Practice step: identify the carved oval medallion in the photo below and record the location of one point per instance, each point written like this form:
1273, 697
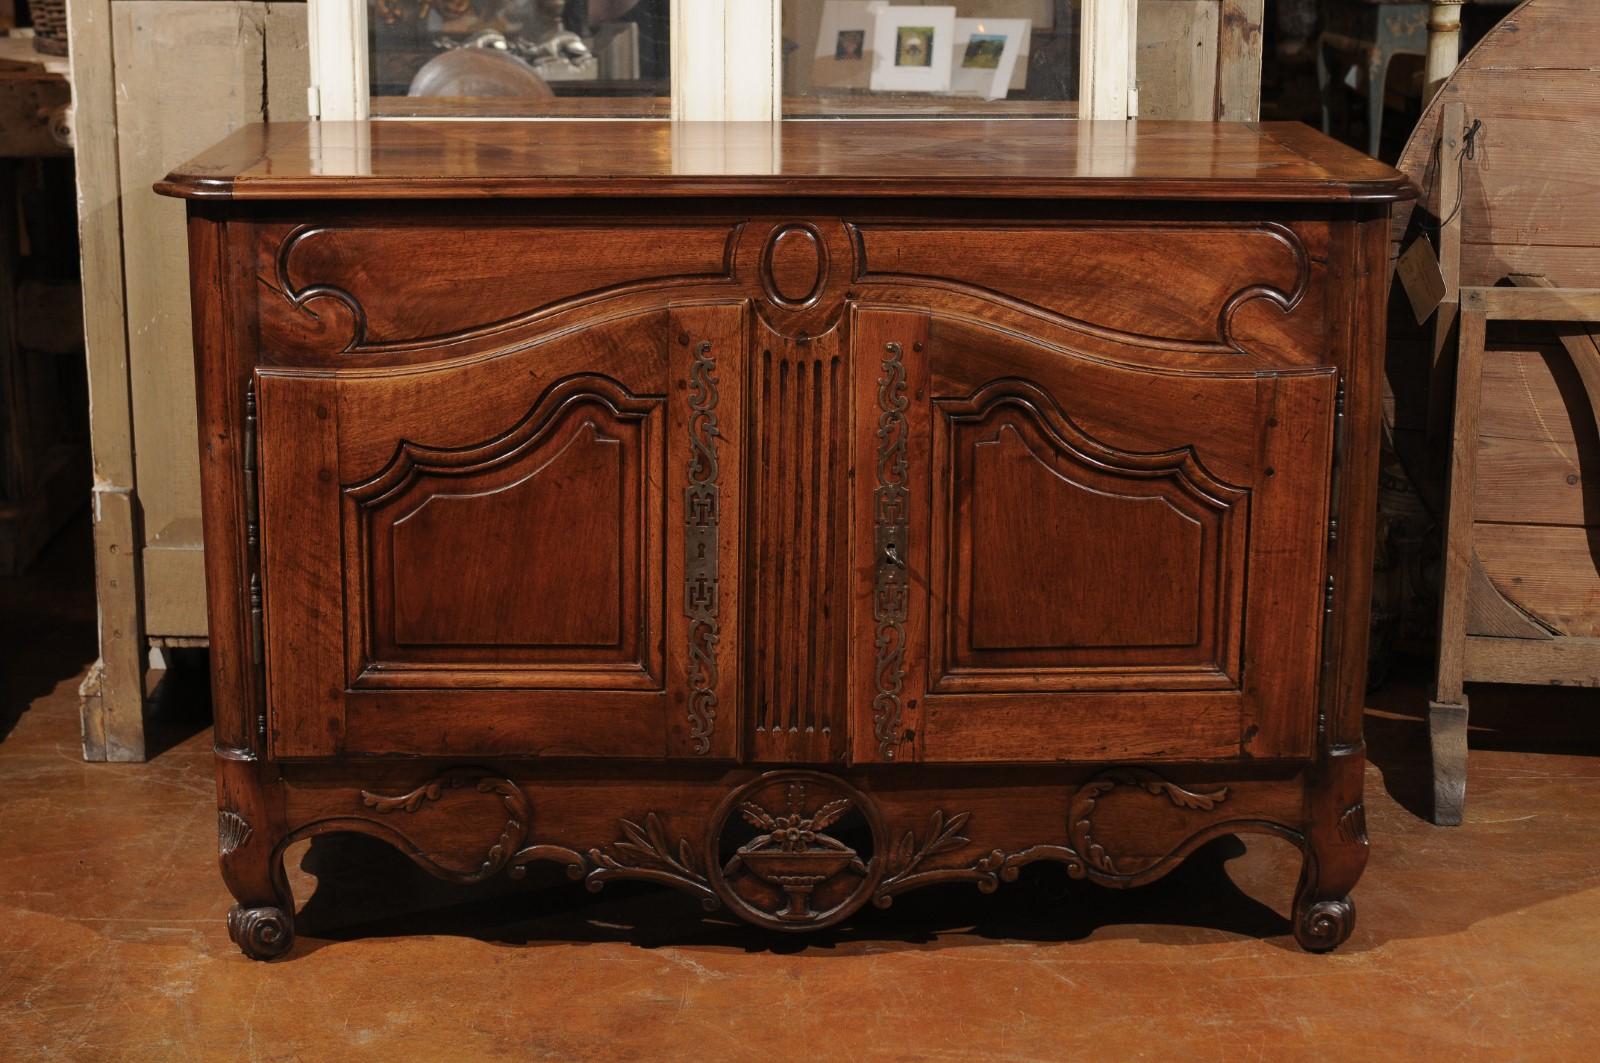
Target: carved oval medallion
795, 850
795, 265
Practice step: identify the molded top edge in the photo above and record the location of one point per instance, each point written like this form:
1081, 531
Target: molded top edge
1007, 158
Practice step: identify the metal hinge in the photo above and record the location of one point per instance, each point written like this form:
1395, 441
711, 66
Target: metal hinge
1338, 424
1327, 599
1335, 470
252, 538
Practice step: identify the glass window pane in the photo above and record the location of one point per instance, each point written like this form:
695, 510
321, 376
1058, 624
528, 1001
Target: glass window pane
984, 58
519, 58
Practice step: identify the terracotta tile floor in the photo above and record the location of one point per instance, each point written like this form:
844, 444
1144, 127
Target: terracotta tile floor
1477, 942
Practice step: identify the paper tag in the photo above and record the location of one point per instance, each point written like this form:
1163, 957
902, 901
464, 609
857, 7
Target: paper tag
1422, 278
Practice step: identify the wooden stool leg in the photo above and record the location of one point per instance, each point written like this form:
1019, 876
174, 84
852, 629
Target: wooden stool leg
1447, 712
1447, 734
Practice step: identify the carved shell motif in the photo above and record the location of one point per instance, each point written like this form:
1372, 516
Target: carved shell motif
233, 830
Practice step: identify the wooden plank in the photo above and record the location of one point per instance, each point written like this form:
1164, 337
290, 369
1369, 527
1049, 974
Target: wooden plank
1536, 395
113, 723
243, 62
1177, 47
174, 566
1489, 613
1540, 37
1239, 44
1534, 304
1509, 200
1106, 31
1458, 550
1584, 350
1445, 318
113, 711
1556, 662
1524, 481
168, 112
1550, 572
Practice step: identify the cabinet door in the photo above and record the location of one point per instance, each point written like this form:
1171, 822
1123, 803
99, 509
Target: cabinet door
514, 554
1064, 558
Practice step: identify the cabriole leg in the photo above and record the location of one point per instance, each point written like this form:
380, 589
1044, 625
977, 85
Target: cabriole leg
262, 922
1335, 853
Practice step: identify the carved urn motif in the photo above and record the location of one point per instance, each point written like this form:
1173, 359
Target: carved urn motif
795, 854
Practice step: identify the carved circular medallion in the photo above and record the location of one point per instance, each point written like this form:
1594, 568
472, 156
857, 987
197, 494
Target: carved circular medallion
795, 265
795, 850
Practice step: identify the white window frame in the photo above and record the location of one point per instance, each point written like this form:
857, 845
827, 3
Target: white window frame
726, 60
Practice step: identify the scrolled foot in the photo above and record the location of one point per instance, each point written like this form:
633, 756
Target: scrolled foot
261, 933
1325, 925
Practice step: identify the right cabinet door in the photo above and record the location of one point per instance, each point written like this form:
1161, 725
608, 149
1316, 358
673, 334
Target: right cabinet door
1065, 558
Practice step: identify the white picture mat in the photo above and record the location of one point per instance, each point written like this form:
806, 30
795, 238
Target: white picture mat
935, 77
841, 15
991, 84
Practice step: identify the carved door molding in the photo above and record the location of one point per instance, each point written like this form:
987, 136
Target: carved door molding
1063, 558
515, 554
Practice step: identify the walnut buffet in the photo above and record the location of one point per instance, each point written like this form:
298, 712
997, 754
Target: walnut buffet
793, 515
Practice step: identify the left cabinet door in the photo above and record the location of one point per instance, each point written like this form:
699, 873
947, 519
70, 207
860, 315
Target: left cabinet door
525, 553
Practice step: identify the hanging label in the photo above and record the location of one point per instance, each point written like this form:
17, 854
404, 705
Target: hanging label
1422, 278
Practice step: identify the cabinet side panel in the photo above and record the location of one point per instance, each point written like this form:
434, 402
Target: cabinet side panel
1359, 342
222, 359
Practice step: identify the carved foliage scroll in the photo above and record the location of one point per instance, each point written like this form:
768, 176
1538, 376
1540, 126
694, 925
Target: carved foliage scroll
702, 520
788, 849
891, 524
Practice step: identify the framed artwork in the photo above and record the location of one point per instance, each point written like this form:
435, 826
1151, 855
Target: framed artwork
844, 44
912, 48
984, 55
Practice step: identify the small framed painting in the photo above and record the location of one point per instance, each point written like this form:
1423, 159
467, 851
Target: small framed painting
844, 44
984, 55
912, 49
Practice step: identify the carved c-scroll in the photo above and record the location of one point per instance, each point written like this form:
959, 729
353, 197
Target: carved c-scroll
348, 318
1284, 301
511, 796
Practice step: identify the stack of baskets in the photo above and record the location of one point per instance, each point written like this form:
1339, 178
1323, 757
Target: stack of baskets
49, 26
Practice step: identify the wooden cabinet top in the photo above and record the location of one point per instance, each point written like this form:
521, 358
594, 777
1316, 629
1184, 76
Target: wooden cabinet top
1049, 159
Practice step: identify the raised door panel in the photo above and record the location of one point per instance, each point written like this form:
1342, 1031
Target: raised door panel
515, 554
1071, 564
1076, 560
526, 562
